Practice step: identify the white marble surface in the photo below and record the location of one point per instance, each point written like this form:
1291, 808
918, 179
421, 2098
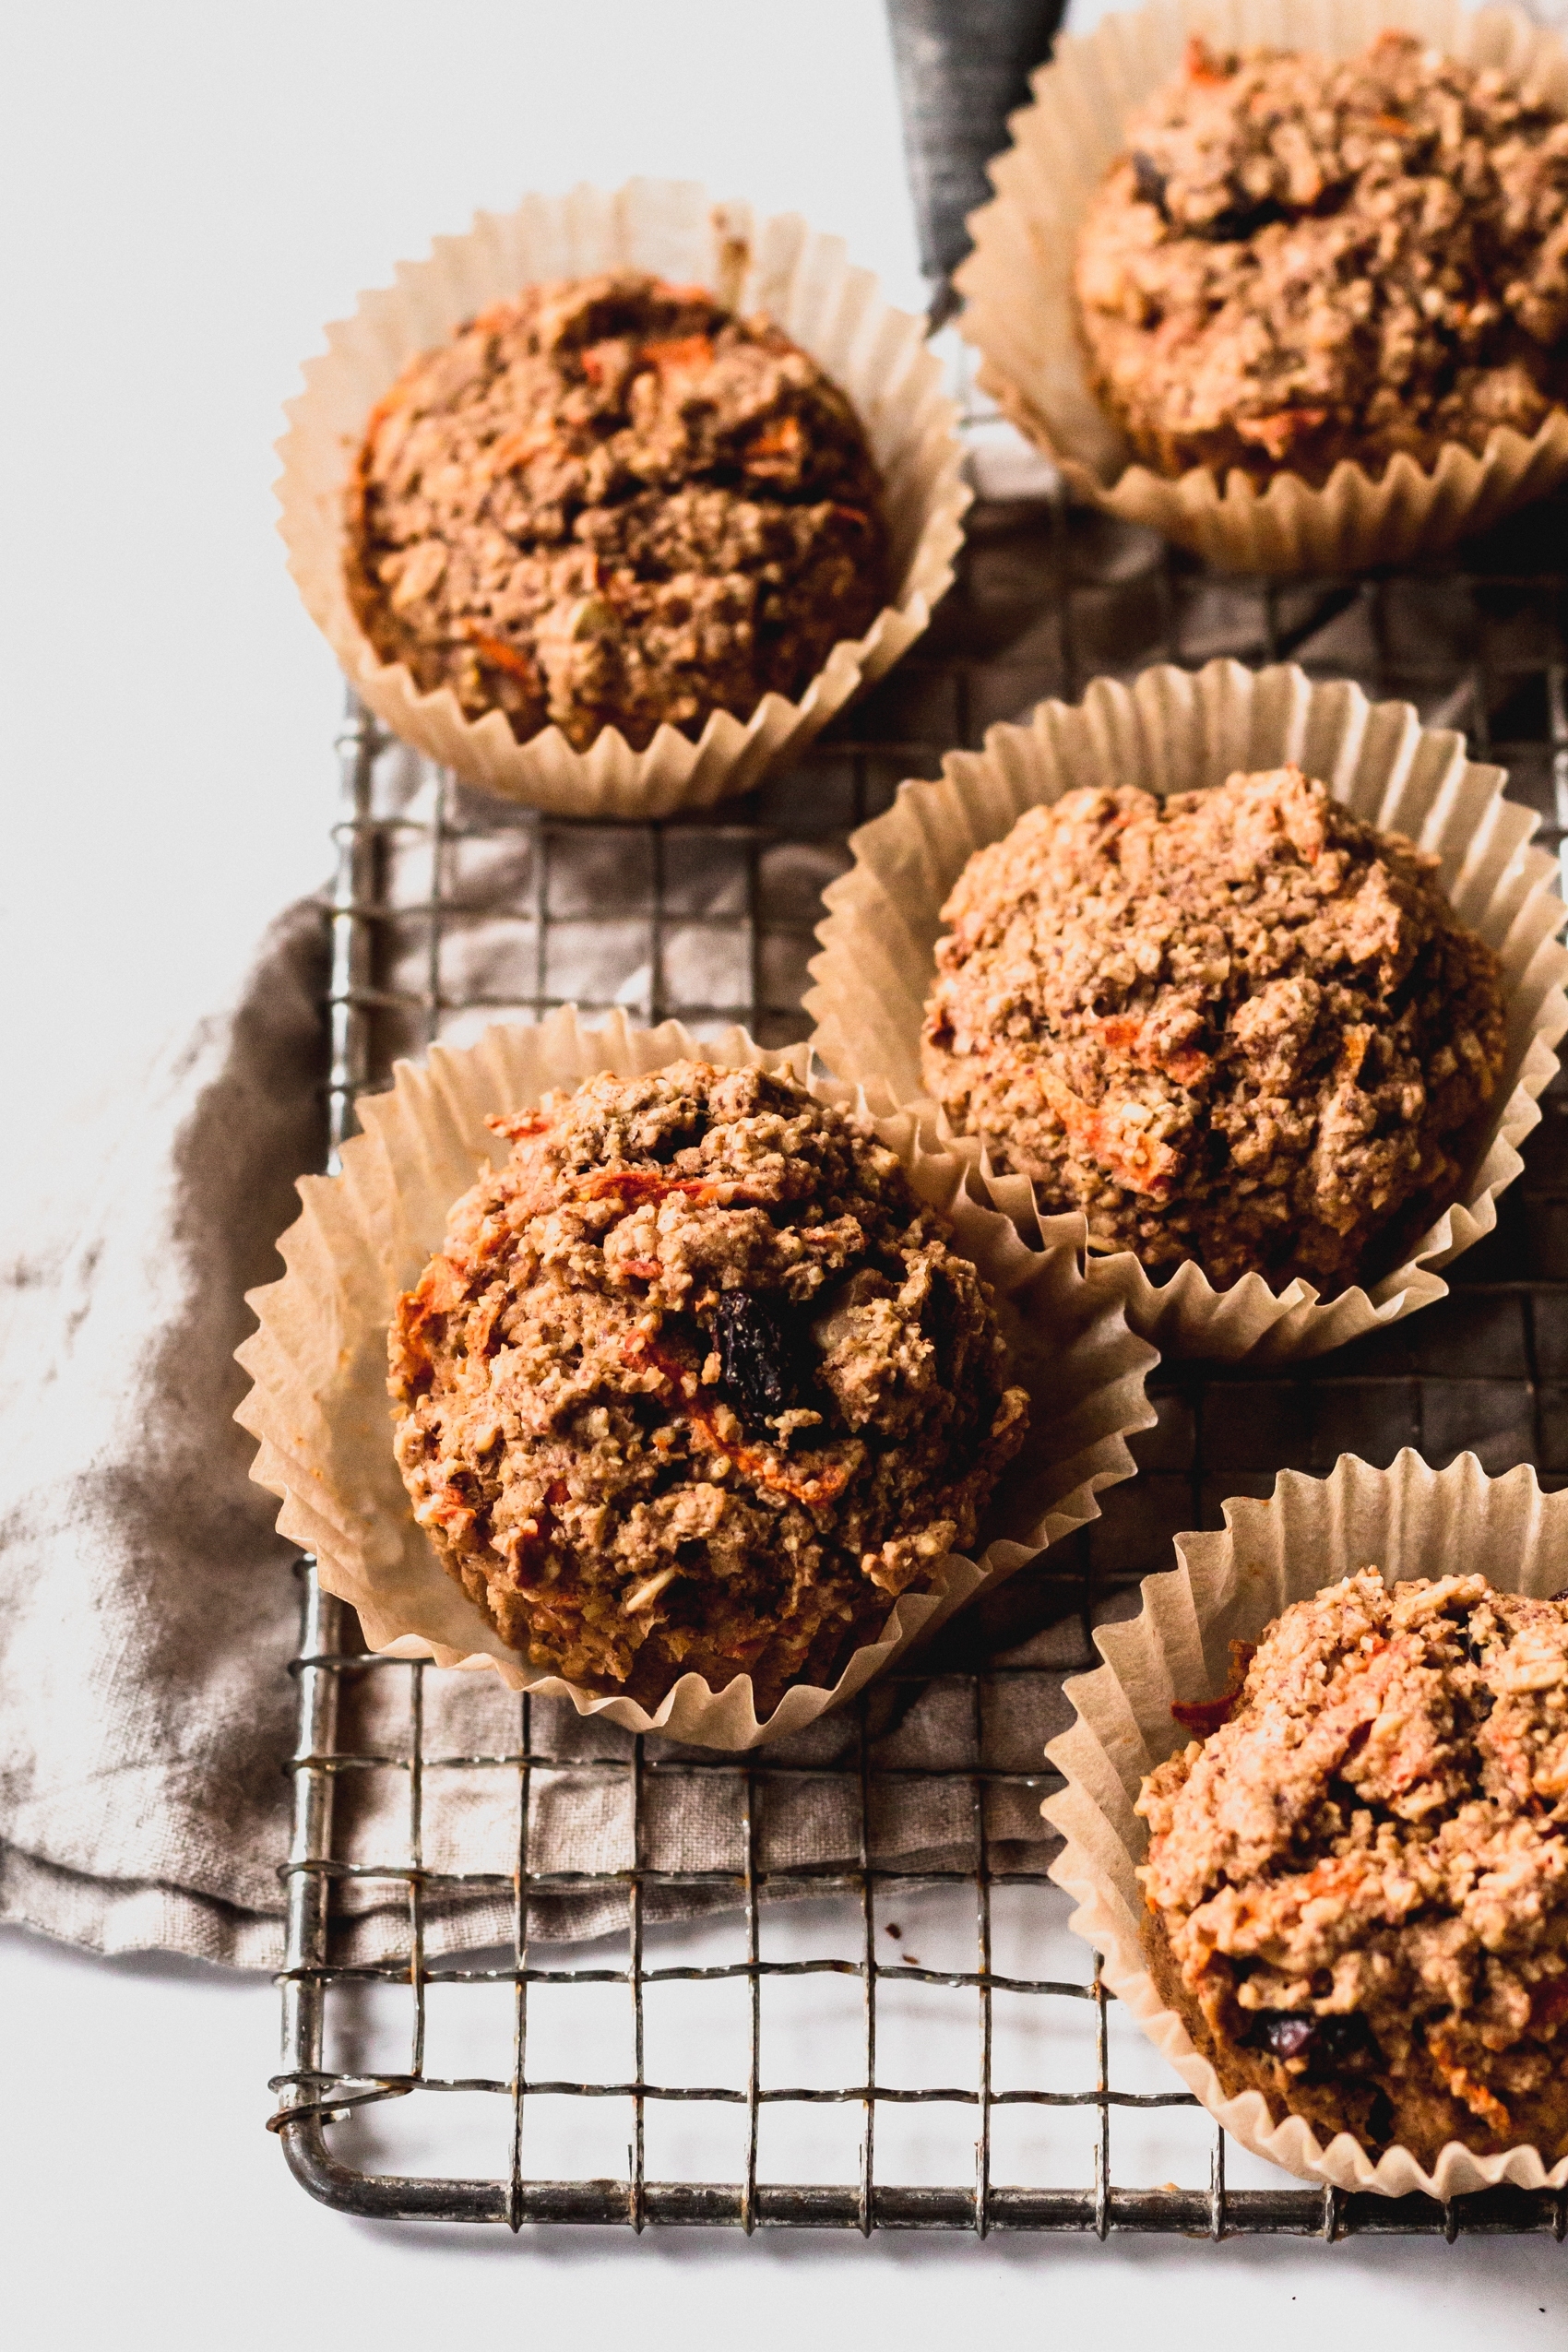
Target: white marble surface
189, 192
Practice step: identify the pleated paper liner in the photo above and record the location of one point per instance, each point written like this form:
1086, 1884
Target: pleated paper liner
1174, 731
1020, 314
805, 284
318, 1363
1408, 1520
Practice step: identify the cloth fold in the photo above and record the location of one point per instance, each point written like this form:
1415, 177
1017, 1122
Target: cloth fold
147, 1606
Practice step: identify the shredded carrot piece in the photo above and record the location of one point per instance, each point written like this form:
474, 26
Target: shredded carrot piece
1203, 1716
499, 315
502, 656
1276, 433
515, 1124
647, 1184
1201, 64
781, 439
514, 449
1138, 1160
682, 355
1465, 2087
1125, 1033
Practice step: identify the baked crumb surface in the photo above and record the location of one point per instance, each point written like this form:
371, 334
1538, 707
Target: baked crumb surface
695, 1383
1239, 1026
611, 504
1302, 260
1357, 1885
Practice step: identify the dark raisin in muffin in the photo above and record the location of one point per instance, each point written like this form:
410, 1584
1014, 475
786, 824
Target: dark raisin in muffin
695, 1385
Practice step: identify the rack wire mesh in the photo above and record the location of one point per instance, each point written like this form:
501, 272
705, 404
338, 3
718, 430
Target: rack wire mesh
987, 2082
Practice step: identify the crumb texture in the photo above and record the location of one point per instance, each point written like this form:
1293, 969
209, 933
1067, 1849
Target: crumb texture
612, 503
1299, 261
1238, 1026
695, 1383
1357, 1885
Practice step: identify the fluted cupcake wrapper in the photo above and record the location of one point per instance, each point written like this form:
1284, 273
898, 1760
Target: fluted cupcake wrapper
1175, 731
1020, 313
805, 284
1408, 1520
318, 1364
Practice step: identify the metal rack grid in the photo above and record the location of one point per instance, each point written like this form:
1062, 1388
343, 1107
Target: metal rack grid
451, 909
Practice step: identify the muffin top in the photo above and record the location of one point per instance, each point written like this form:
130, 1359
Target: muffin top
1239, 1026
1302, 260
1363, 1872
695, 1383
612, 503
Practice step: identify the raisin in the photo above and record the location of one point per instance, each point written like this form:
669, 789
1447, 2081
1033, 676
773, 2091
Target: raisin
1150, 180
1239, 222
1380, 2117
757, 1373
1345, 2044
1286, 2036
1338, 2045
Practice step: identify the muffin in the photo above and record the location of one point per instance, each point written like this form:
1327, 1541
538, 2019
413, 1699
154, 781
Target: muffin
1356, 1882
1241, 1027
1301, 260
611, 504
695, 1385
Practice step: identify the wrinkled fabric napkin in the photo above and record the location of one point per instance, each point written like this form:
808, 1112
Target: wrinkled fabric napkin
148, 1611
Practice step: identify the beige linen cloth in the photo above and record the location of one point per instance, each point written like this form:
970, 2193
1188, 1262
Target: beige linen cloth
148, 1611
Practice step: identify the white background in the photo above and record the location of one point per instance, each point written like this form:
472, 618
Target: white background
190, 191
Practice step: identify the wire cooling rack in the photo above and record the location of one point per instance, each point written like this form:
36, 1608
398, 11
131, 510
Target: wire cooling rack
890, 2039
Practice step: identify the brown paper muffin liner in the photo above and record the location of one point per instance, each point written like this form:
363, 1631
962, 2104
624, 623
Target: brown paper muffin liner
1174, 731
1019, 311
319, 1403
1408, 1520
804, 283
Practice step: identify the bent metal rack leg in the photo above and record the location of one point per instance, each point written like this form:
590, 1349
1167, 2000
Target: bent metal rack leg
985, 2079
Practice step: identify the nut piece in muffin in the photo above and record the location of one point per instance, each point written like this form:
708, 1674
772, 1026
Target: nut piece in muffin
696, 1385
1239, 1026
1357, 1883
1303, 260
612, 503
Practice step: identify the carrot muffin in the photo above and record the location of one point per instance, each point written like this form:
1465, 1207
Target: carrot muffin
1357, 1883
695, 1385
1239, 1026
1303, 260
612, 503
